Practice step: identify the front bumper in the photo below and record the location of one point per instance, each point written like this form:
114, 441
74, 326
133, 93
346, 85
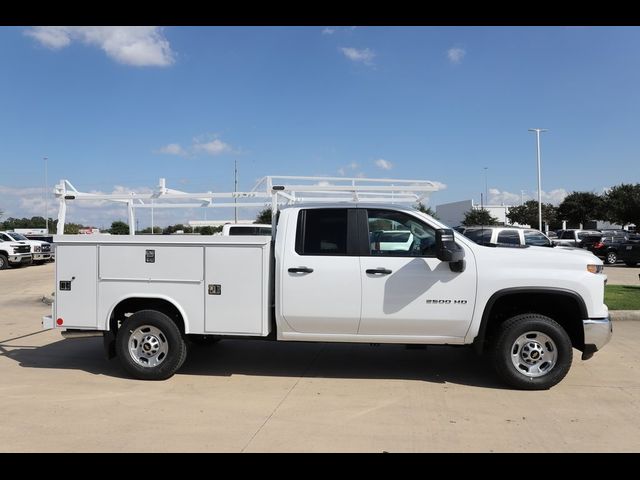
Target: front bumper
597, 333
20, 258
41, 256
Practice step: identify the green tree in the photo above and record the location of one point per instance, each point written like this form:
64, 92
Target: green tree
206, 230
479, 216
622, 204
119, 228
264, 216
527, 214
421, 207
72, 228
580, 207
174, 228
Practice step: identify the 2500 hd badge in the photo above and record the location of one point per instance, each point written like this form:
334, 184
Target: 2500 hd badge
447, 301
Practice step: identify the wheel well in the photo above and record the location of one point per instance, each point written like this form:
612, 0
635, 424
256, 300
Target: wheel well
565, 308
132, 305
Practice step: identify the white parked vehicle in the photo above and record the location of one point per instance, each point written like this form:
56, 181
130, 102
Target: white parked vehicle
507, 236
14, 253
40, 251
321, 278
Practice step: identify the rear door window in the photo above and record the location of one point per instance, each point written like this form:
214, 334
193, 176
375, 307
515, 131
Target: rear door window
509, 237
322, 231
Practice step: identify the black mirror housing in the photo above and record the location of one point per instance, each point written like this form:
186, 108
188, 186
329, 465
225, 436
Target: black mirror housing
446, 248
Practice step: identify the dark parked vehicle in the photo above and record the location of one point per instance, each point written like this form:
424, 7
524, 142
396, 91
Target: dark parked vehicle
607, 246
629, 251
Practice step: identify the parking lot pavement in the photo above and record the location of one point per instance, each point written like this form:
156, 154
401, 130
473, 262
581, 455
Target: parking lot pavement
620, 274
62, 395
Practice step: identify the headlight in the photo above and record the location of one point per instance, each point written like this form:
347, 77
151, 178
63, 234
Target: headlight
37, 248
595, 268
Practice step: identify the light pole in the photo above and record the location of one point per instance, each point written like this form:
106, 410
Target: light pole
538, 130
486, 191
46, 196
235, 189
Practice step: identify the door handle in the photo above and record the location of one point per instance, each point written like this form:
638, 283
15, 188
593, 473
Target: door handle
378, 271
300, 270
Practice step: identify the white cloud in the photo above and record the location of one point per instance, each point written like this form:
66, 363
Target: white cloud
456, 54
328, 31
54, 38
365, 55
138, 46
383, 164
172, 149
342, 171
554, 197
214, 147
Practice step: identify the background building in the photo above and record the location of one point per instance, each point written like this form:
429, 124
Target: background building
453, 213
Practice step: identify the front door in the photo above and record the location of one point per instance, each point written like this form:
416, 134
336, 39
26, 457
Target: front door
406, 290
321, 290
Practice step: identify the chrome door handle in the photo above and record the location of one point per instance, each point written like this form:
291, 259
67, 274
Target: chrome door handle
378, 271
300, 270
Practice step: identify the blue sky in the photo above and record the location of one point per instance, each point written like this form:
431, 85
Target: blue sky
115, 108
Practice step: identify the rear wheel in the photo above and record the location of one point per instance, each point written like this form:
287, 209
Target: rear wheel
532, 352
611, 258
631, 264
4, 262
150, 346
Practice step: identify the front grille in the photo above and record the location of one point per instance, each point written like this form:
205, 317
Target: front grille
46, 247
21, 249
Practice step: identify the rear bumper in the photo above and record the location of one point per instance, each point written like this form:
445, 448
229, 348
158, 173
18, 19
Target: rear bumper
47, 322
597, 333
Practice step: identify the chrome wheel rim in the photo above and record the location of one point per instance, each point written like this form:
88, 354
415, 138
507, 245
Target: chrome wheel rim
611, 258
1, 262
534, 354
148, 346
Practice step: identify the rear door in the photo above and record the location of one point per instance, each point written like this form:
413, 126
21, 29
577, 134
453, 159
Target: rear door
406, 290
321, 291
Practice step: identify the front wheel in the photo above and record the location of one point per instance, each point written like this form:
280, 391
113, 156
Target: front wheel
532, 352
150, 346
611, 258
4, 262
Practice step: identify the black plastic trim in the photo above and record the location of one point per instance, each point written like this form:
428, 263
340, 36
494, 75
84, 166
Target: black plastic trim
478, 342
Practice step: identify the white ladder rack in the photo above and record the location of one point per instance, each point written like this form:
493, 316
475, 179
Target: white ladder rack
273, 191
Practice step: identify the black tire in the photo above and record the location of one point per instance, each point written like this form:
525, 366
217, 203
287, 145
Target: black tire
539, 326
203, 340
4, 262
611, 258
631, 264
156, 330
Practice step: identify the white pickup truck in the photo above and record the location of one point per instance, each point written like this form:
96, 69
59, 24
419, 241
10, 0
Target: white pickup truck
40, 251
324, 277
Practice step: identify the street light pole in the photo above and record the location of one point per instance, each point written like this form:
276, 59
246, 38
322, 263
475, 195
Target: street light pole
486, 191
235, 189
538, 130
46, 196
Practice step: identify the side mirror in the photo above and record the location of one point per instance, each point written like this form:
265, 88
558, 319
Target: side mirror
446, 248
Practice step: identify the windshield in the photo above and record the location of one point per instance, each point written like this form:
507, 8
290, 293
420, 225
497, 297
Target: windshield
17, 236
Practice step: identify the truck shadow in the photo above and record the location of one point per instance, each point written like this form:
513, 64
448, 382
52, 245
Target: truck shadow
435, 364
